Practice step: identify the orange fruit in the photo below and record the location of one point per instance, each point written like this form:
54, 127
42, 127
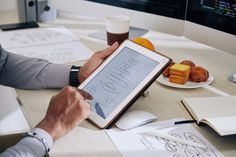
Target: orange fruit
145, 43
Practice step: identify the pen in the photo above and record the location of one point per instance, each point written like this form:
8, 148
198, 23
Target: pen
176, 139
176, 123
185, 122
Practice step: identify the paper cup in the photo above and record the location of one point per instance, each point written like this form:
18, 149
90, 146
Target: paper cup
117, 29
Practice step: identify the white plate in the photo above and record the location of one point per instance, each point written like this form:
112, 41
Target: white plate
165, 81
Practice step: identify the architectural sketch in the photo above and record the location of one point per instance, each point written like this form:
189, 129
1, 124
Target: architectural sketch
119, 78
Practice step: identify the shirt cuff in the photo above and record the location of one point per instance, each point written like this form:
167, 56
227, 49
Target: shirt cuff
44, 135
37, 147
30, 146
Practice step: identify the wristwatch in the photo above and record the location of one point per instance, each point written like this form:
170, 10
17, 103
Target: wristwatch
74, 76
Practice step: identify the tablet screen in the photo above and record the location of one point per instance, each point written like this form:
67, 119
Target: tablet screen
118, 79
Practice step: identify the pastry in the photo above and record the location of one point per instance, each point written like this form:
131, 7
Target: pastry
188, 62
199, 74
179, 73
180, 69
178, 79
166, 72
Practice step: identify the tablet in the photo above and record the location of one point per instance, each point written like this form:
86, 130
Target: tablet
120, 80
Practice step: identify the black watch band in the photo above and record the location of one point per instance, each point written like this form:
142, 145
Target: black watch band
74, 76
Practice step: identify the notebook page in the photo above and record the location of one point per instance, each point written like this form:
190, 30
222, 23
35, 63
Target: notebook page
224, 125
210, 107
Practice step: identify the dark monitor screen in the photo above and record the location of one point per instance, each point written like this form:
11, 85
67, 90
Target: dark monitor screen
169, 8
217, 14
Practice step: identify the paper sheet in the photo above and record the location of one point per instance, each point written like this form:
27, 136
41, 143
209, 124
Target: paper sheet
35, 36
57, 44
57, 53
130, 143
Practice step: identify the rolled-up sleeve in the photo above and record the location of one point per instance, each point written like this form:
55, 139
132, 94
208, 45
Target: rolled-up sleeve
31, 73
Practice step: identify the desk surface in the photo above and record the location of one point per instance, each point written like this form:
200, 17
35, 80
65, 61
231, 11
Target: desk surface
87, 140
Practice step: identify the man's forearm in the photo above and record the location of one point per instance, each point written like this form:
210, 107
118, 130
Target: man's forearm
31, 73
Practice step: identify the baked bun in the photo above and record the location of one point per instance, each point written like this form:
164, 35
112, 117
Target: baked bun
166, 72
188, 62
199, 74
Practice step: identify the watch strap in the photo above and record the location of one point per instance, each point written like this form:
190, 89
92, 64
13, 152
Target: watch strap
74, 76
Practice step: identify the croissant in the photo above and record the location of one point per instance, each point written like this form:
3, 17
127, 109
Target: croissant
199, 74
166, 72
188, 62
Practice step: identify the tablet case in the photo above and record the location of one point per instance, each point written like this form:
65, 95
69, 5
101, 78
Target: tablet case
122, 112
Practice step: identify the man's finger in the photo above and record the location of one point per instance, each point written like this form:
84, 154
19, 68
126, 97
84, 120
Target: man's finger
85, 94
109, 50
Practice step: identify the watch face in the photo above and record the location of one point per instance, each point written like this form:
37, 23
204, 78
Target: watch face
74, 70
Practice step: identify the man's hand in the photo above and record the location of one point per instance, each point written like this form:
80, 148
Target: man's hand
66, 110
95, 61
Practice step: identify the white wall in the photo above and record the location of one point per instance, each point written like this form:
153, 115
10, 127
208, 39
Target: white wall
212, 37
8, 5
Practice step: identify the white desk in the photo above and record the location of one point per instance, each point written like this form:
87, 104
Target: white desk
87, 140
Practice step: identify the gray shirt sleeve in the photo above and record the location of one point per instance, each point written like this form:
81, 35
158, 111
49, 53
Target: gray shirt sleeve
29, 146
31, 73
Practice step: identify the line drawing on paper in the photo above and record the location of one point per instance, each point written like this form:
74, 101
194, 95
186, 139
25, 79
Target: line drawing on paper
179, 149
33, 37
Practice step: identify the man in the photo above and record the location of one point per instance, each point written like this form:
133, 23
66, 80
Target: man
66, 110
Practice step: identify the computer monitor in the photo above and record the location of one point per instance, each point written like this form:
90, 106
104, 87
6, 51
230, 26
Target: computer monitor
211, 22
163, 15
169, 8
217, 14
